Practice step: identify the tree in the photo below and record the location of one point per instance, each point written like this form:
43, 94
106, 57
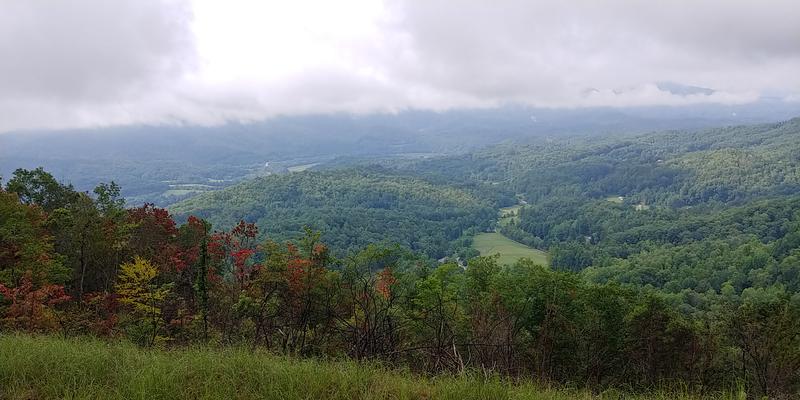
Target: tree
109, 200
369, 317
233, 252
87, 244
438, 314
202, 270
40, 188
545, 309
307, 300
658, 341
767, 330
602, 332
137, 286
32, 308
153, 235
26, 245
491, 327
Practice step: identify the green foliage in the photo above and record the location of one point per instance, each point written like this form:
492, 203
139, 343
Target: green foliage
353, 208
766, 329
26, 245
41, 188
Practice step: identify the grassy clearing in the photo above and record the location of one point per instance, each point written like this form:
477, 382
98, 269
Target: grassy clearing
508, 214
51, 368
301, 168
509, 250
192, 186
181, 192
508, 211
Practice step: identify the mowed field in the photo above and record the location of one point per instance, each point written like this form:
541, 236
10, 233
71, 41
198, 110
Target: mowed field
509, 250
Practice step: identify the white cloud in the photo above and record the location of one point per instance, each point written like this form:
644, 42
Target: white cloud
95, 63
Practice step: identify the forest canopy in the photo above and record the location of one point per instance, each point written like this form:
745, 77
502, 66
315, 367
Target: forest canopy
352, 208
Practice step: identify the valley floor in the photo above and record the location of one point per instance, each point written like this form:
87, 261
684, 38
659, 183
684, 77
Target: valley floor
510, 251
491, 243
45, 367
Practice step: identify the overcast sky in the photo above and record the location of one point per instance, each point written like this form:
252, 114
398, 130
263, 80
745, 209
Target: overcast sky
82, 63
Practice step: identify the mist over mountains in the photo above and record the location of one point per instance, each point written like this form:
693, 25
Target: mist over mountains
147, 160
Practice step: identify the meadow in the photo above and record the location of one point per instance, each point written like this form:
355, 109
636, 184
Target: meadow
46, 367
491, 243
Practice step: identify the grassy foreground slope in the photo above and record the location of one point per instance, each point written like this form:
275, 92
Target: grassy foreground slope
52, 368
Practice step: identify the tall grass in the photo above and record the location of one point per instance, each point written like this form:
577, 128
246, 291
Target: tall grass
52, 368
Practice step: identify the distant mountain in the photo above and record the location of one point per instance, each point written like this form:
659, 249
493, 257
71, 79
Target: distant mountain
677, 168
155, 163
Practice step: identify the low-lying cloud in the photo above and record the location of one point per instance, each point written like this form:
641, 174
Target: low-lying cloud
98, 63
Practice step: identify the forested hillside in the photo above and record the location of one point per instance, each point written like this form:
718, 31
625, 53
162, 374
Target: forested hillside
353, 208
696, 211
674, 261
673, 168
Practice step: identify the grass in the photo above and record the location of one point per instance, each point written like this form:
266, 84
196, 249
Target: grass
301, 168
507, 211
181, 192
508, 214
509, 250
45, 367
192, 186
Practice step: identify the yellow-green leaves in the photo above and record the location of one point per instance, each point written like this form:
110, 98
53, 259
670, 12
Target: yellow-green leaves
138, 287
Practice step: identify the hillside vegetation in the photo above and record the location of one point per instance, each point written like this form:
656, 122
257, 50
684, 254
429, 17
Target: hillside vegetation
92, 369
351, 207
675, 169
693, 212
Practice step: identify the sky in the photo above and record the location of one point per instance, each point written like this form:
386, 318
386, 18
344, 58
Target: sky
95, 63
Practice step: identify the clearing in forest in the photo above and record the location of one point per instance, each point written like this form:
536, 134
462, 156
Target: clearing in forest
509, 250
